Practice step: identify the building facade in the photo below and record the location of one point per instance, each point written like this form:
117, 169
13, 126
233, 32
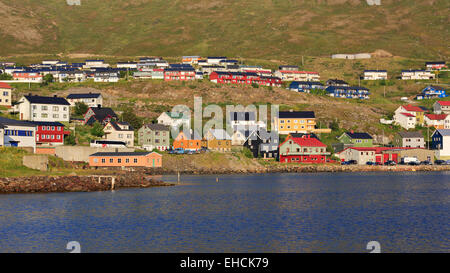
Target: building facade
295, 122
154, 136
125, 159
5, 94
39, 108
304, 149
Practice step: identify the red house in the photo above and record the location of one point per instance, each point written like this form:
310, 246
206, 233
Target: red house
243, 78
27, 76
179, 74
303, 148
51, 133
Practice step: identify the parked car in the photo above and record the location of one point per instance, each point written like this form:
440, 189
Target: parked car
426, 162
349, 162
370, 163
390, 163
439, 162
447, 162
414, 163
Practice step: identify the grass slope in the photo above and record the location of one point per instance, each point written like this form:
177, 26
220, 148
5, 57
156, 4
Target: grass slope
270, 29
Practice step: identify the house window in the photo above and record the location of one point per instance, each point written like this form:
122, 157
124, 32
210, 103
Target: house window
135, 160
103, 160
119, 160
127, 160
111, 160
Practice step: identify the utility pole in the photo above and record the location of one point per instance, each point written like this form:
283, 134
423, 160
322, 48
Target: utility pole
384, 92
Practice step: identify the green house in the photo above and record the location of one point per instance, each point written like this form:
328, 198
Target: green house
356, 139
154, 136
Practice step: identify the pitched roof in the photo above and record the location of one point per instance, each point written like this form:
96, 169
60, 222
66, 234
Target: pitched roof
47, 123
47, 100
157, 127
357, 135
13, 122
84, 96
308, 141
297, 114
436, 117
220, 134
118, 128
101, 113
411, 134
4, 85
444, 103
408, 115
443, 132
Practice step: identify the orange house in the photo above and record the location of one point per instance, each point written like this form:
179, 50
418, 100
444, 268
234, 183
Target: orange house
124, 159
186, 142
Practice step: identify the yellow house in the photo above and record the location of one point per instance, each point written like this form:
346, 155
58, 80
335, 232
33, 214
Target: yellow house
218, 140
295, 122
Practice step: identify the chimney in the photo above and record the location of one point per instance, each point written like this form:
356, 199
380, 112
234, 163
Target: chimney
55, 96
29, 94
351, 131
99, 105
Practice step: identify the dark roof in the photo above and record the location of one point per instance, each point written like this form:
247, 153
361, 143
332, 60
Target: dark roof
121, 154
103, 112
411, 134
118, 128
298, 114
84, 96
47, 123
108, 142
438, 62
47, 100
13, 122
359, 135
157, 127
336, 81
300, 135
372, 70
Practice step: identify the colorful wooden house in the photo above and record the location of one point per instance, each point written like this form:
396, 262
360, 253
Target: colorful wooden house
304, 149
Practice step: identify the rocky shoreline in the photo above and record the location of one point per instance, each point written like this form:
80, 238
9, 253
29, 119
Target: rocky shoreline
46, 184
302, 169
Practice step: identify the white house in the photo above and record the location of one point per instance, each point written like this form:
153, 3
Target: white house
39, 108
129, 65
417, 75
90, 99
106, 77
290, 75
438, 121
245, 121
406, 120
441, 107
17, 133
5, 94
119, 131
72, 76
373, 75
174, 119
95, 63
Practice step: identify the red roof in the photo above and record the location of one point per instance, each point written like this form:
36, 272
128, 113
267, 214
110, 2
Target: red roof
407, 114
5, 85
444, 103
436, 117
307, 141
411, 108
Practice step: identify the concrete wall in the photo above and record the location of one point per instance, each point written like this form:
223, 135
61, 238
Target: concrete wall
36, 162
81, 153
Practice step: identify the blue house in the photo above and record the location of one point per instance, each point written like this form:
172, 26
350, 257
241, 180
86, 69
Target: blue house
348, 92
432, 91
306, 87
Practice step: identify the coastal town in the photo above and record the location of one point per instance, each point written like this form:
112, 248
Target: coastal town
46, 125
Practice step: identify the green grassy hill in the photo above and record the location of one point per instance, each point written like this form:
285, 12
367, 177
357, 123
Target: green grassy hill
266, 29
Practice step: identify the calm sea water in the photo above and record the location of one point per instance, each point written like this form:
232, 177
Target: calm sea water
405, 212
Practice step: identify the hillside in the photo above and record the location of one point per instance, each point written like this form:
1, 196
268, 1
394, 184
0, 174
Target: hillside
267, 29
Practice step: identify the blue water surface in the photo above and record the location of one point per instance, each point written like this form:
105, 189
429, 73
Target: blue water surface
325, 212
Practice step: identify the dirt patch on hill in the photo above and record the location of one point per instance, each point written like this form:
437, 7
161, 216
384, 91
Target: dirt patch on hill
20, 24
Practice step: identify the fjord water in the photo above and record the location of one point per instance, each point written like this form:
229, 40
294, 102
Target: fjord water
404, 212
